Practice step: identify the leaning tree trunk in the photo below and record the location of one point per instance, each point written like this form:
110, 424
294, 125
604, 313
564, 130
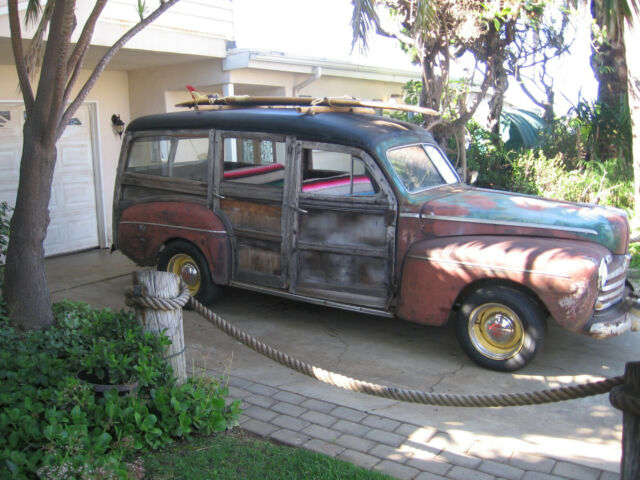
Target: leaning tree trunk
25, 287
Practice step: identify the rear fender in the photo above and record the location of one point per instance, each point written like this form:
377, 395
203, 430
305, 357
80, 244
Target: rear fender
143, 229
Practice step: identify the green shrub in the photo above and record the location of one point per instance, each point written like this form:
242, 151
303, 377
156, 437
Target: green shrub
53, 425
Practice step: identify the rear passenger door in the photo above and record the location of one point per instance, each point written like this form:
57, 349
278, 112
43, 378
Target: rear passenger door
344, 224
249, 191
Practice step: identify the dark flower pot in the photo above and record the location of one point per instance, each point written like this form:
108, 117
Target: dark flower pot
100, 388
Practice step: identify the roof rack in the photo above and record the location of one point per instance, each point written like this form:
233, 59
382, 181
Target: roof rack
303, 104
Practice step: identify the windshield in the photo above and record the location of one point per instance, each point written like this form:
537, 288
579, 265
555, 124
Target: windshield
421, 166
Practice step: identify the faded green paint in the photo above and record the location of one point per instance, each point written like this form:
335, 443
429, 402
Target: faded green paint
462, 201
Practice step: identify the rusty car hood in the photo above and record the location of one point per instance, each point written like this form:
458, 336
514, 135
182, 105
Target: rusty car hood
468, 210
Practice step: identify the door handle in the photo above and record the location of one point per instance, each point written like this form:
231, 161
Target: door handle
298, 209
217, 195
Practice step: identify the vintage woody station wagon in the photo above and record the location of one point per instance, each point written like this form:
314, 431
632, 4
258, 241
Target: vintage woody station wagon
365, 213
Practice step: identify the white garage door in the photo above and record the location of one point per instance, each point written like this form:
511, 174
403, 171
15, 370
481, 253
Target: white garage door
74, 220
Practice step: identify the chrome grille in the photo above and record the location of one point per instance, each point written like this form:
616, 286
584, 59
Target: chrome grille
613, 289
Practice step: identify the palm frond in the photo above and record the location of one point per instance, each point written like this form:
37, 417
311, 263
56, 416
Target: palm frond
363, 20
33, 12
33, 56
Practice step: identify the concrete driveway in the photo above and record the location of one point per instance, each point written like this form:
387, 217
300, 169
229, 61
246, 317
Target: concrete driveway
586, 431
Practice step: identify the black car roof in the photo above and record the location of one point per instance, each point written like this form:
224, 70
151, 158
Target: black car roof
359, 130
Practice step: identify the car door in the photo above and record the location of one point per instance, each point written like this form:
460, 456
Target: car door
248, 194
344, 221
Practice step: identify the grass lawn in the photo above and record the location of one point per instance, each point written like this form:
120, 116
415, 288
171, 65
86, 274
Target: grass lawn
239, 455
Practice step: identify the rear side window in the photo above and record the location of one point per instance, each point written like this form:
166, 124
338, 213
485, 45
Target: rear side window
253, 161
177, 157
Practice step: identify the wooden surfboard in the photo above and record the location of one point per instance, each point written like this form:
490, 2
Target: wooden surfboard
336, 102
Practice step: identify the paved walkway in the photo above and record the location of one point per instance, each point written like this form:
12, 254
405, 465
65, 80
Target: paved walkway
402, 450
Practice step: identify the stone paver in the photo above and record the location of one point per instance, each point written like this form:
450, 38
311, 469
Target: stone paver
326, 448
348, 414
352, 428
501, 470
402, 450
289, 437
540, 476
359, 458
462, 473
532, 462
355, 443
288, 408
318, 418
318, 405
575, 472
260, 400
260, 413
289, 397
289, 422
609, 476
397, 470
261, 389
322, 433
384, 437
375, 421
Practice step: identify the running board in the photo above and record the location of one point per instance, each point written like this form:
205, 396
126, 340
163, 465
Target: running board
315, 301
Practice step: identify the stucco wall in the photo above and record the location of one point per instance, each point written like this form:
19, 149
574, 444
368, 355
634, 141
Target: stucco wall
110, 95
148, 86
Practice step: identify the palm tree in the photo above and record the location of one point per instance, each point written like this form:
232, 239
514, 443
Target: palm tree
616, 83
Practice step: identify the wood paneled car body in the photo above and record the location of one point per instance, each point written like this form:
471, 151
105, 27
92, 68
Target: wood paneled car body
365, 213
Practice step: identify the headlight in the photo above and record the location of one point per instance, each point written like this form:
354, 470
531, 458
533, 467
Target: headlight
603, 273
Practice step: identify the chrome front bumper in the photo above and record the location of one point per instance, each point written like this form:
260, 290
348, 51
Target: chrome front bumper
622, 318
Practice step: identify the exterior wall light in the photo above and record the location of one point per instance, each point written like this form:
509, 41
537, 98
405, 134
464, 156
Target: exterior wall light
117, 124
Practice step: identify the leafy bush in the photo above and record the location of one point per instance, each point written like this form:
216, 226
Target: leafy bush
54, 426
550, 172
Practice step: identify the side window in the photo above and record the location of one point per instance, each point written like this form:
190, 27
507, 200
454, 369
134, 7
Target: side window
190, 159
336, 174
177, 157
255, 162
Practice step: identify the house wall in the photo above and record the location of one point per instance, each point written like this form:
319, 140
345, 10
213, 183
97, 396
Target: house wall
110, 95
148, 86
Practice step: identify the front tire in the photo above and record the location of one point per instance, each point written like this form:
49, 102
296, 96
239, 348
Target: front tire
500, 328
186, 261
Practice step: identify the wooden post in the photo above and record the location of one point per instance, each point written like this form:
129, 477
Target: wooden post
164, 285
630, 464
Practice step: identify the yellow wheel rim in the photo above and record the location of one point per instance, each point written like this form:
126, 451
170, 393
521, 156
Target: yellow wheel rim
187, 269
496, 331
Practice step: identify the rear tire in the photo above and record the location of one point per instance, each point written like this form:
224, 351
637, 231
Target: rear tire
186, 261
500, 328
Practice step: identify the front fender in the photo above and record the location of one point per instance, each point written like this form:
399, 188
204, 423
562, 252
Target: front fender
562, 274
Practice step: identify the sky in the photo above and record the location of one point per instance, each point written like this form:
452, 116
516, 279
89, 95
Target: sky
321, 28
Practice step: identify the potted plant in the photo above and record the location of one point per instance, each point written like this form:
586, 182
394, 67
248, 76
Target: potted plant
112, 349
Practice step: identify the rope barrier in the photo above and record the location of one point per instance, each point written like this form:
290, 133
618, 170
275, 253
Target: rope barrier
137, 296
623, 401
406, 395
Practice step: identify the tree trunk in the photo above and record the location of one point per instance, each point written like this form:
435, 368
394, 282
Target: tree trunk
632, 36
609, 65
25, 287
